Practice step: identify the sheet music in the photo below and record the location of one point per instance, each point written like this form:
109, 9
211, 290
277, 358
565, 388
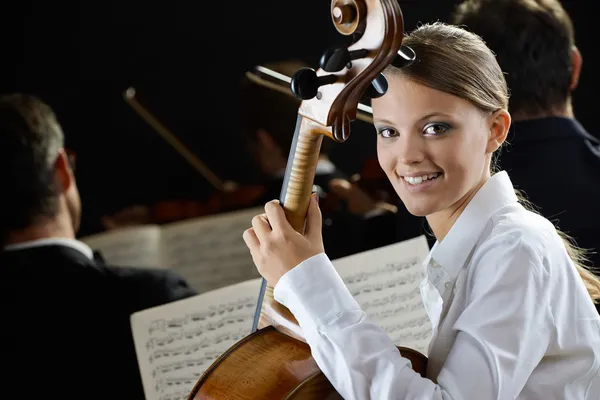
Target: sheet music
210, 252
131, 247
177, 342
385, 282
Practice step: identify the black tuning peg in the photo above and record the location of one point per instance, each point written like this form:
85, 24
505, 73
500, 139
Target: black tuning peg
377, 88
405, 57
336, 59
305, 83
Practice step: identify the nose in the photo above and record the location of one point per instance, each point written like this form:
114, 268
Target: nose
409, 149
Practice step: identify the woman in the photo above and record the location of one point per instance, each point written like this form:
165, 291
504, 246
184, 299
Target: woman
512, 311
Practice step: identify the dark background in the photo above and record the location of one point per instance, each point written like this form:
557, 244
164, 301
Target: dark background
186, 59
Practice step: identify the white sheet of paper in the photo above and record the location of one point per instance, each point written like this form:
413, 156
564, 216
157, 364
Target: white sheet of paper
210, 252
385, 282
177, 342
175, 345
129, 247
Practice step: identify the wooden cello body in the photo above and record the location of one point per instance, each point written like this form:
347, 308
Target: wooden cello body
269, 364
274, 362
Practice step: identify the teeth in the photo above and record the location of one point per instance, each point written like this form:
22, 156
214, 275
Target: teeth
415, 180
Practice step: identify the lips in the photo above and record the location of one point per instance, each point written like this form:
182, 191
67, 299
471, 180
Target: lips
416, 180
420, 183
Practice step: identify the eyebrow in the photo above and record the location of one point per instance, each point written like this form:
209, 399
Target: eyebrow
383, 121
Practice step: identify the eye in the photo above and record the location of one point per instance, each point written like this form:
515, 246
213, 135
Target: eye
387, 132
436, 129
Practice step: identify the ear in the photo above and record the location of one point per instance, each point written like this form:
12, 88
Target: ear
576, 63
62, 170
499, 124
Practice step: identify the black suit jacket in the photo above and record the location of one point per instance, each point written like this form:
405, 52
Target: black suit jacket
66, 323
556, 164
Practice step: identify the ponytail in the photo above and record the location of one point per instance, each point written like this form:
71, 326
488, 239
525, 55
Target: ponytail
577, 255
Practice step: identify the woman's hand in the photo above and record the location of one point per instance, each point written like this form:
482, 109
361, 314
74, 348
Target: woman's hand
276, 247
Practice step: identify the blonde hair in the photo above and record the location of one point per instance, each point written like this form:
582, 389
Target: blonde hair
455, 61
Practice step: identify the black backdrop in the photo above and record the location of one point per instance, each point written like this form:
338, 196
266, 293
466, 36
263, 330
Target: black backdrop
185, 59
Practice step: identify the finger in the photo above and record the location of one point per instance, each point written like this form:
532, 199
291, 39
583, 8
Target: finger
261, 227
276, 216
314, 220
251, 240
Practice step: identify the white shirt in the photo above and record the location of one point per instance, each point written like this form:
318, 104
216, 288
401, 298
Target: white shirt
511, 316
72, 243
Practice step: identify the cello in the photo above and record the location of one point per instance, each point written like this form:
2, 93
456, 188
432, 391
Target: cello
370, 179
274, 362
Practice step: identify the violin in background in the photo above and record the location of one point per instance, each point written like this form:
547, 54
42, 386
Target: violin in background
374, 189
228, 195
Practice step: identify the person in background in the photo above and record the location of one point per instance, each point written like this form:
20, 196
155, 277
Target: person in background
552, 160
66, 314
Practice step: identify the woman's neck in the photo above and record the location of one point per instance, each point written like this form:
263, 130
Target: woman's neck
442, 221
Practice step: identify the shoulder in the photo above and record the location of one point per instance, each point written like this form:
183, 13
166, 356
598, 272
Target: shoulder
148, 287
521, 241
519, 258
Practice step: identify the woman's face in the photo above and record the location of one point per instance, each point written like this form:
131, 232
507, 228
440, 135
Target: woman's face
434, 147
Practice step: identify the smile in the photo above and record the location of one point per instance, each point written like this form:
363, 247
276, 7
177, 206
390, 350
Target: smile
420, 183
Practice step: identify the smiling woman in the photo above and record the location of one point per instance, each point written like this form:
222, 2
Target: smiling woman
511, 314
422, 150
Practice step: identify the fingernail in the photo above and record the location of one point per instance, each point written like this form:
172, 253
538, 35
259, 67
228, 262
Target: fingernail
316, 196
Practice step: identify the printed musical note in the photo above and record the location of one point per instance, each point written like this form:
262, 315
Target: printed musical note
131, 247
176, 395
385, 282
177, 342
209, 252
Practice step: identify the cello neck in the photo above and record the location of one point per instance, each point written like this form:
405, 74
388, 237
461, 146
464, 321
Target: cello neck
295, 197
300, 172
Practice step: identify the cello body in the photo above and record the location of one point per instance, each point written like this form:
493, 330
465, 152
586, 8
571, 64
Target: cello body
269, 364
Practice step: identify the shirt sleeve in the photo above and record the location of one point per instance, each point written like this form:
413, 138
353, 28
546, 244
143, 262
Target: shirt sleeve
501, 344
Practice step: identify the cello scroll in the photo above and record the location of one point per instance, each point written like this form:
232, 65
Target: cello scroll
377, 27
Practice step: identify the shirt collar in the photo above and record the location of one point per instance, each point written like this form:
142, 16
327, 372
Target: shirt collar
72, 243
451, 254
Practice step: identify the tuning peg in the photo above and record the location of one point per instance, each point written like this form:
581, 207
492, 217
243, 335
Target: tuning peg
305, 83
336, 59
405, 57
377, 88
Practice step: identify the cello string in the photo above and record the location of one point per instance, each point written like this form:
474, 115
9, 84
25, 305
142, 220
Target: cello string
281, 84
